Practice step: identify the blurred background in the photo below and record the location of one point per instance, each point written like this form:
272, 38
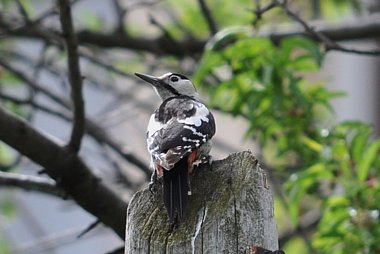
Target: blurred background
33, 222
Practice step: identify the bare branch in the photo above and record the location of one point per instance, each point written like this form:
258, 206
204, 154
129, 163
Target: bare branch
34, 85
91, 127
366, 27
22, 10
64, 166
321, 37
88, 228
120, 14
30, 183
101, 136
208, 16
35, 105
74, 74
259, 11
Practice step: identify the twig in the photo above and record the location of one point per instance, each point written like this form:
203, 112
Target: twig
259, 11
74, 75
121, 12
320, 37
88, 228
23, 12
92, 129
119, 250
64, 166
35, 105
106, 66
30, 183
208, 16
164, 31
23, 77
361, 28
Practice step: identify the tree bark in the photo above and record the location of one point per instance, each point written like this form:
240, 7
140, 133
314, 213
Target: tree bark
230, 210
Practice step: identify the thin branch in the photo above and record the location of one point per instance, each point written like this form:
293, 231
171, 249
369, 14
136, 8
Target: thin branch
69, 171
328, 43
120, 14
35, 105
33, 84
366, 27
30, 183
75, 76
88, 228
208, 16
106, 66
23, 11
95, 131
91, 127
259, 11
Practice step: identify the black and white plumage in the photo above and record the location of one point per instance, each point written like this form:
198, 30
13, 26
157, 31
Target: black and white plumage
178, 137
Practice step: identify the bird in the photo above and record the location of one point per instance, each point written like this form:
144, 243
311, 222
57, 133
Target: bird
178, 138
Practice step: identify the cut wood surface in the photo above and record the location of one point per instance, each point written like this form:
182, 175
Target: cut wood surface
230, 209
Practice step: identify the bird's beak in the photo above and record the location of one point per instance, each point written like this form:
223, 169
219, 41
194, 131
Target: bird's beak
150, 79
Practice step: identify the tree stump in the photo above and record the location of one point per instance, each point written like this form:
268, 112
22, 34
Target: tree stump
229, 211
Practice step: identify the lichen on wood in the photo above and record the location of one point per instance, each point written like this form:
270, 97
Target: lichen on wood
230, 209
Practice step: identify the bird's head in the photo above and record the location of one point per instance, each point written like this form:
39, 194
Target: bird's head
170, 85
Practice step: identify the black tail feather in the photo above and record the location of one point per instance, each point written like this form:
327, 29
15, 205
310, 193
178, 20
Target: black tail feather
176, 187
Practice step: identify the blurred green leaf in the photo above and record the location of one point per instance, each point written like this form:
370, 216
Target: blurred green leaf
371, 153
91, 21
359, 142
8, 78
5, 155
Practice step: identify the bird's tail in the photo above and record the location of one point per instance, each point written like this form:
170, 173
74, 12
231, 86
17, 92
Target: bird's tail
176, 187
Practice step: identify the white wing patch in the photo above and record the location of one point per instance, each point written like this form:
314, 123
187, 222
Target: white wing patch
200, 115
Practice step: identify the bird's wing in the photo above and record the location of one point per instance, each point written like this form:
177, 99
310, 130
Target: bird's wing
170, 142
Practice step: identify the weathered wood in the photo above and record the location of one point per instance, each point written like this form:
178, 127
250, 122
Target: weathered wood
231, 209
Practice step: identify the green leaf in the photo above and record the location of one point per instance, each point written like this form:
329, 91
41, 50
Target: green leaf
226, 36
312, 144
359, 142
8, 78
92, 21
7, 208
5, 155
368, 158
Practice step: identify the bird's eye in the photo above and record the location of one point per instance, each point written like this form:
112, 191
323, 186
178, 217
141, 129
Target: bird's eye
174, 79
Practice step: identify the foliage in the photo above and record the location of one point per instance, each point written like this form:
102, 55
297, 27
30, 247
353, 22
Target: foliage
335, 167
264, 83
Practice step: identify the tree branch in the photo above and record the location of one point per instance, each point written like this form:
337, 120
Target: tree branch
367, 27
74, 74
91, 127
67, 169
33, 183
322, 38
208, 16
34, 85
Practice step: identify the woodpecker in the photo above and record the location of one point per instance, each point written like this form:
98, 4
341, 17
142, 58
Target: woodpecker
178, 138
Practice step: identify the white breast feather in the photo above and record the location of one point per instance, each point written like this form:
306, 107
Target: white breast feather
154, 125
